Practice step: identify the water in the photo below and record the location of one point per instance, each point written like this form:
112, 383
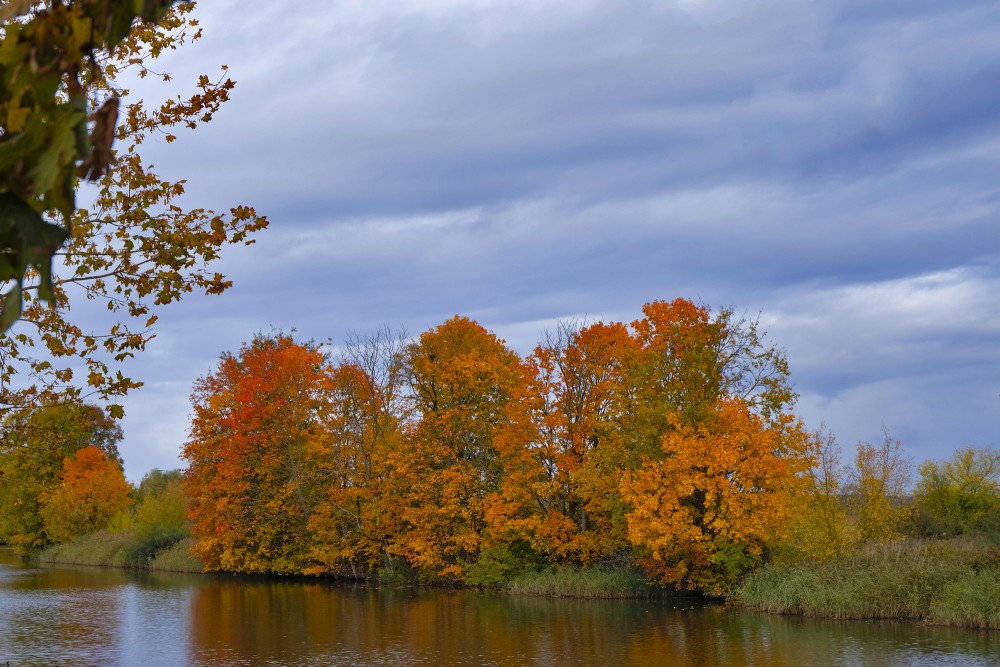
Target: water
90, 616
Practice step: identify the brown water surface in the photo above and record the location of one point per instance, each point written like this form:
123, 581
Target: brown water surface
90, 616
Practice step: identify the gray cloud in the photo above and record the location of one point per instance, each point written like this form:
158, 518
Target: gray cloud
831, 164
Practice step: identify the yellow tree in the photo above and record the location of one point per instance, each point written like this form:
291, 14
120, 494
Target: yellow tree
706, 510
881, 478
820, 527
91, 491
462, 378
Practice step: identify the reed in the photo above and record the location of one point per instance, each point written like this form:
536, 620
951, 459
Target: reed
954, 583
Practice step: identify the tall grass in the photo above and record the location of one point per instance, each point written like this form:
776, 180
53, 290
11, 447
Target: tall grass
574, 582
955, 583
177, 558
123, 549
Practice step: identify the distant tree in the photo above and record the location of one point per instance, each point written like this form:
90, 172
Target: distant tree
161, 512
960, 494
879, 484
33, 446
155, 481
92, 489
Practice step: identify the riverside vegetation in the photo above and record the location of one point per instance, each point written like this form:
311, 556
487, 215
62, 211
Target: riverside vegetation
617, 460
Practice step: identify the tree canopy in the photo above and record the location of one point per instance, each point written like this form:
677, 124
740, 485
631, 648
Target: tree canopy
136, 247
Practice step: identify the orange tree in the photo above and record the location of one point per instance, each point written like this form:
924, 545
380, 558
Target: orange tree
579, 398
91, 491
355, 518
259, 455
704, 512
461, 379
33, 445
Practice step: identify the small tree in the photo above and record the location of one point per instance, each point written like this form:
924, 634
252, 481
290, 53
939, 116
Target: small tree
880, 480
92, 491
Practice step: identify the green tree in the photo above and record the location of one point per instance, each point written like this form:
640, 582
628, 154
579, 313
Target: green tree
33, 445
161, 513
960, 494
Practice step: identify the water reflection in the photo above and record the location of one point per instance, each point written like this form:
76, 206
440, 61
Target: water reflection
101, 617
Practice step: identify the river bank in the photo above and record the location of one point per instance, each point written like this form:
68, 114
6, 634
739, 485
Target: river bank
955, 582
941, 582
123, 550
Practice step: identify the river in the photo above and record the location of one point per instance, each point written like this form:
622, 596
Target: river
93, 616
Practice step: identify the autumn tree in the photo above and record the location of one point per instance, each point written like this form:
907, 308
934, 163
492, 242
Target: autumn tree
581, 393
461, 378
880, 480
820, 527
135, 248
259, 441
706, 510
92, 489
356, 518
33, 446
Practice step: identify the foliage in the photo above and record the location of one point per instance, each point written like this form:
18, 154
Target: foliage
259, 438
136, 248
47, 74
161, 515
356, 517
33, 446
154, 482
820, 527
450, 458
723, 489
92, 490
880, 480
961, 494
462, 378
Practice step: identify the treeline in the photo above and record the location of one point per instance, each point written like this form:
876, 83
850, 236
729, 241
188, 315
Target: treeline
666, 443
665, 446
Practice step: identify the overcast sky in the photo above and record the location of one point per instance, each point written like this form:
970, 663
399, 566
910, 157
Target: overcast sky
833, 165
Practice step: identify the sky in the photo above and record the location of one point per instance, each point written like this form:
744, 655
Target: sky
832, 166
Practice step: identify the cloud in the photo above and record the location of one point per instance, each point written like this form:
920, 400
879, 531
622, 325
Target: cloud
831, 164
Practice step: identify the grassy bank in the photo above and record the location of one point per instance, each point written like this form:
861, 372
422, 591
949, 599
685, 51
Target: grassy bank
595, 583
943, 582
122, 549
